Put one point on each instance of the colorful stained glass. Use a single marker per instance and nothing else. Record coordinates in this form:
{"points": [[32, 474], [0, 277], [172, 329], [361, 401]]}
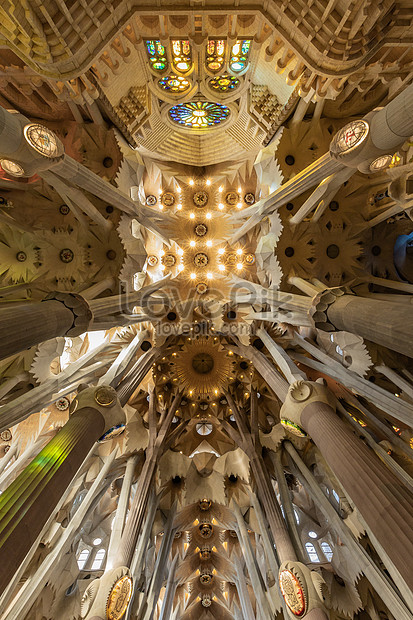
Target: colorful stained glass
{"points": [[223, 83], [239, 55], [157, 55], [215, 54], [174, 83], [182, 58], [199, 114]]}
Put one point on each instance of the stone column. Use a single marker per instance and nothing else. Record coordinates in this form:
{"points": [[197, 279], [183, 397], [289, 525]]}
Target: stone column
{"points": [[29, 501], [288, 507], [374, 574], [121, 510], [27, 324], [140, 502], [385, 504], [387, 323], [167, 603], [285, 550], [255, 576], [265, 491]]}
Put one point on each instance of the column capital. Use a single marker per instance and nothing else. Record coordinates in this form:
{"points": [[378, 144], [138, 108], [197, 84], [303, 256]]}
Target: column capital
{"points": [[300, 395], [82, 314], [320, 305], [104, 399]]}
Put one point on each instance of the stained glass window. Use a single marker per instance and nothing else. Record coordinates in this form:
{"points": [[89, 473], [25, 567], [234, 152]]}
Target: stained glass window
{"points": [[181, 54], [215, 54], [326, 549], [312, 553], [239, 55], [157, 55], [199, 114], [174, 83], [223, 83]]}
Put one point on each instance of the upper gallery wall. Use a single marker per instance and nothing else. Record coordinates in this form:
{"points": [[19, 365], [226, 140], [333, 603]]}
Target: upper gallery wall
{"points": [[132, 66]]}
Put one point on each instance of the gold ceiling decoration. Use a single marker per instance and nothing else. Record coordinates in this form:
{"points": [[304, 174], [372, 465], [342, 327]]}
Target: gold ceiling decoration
{"points": [[203, 368]]}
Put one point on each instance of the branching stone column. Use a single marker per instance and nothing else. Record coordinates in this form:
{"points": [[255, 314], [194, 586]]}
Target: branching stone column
{"points": [[98, 592], [310, 583], [387, 323], [27, 324], [29, 501], [385, 505]]}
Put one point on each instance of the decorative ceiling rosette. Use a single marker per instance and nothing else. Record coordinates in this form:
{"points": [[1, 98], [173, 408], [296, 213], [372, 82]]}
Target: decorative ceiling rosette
{"points": [[203, 367]]}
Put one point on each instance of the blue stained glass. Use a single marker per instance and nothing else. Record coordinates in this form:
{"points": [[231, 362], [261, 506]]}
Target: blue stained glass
{"points": [[157, 54], [151, 47], [199, 114], [245, 47]]}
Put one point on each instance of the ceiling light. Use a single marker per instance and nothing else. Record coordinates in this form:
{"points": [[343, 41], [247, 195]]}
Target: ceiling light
{"points": [[239, 205], [208, 181], [180, 252], [239, 251], [239, 190], [192, 216], [220, 188], [179, 189], [178, 207], [221, 267], [192, 243], [209, 275], [181, 267], [239, 265], [221, 251], [193, 276], [220, 206], [209, 243], [162, 252], [208, 216], [191, 181]]}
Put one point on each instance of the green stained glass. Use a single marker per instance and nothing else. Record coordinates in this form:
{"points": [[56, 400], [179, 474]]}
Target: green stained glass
{"points": [[157, 55], [239, 55]]}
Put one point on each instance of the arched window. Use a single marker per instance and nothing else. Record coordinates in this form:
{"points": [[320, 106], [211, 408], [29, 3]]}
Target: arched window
{"points": [[181, 55], [326, 549], [297, 516], [336, 496], [312, 553], [98, 561], [83, 558], [239, 55], [157, 55], [215, 54]]}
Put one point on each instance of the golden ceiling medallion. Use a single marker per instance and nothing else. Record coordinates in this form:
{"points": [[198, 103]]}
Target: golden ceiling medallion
{"points": [[202, 367], [168, 260], [200, 199], [201, 288], [232, 198], [119, 598], [292, 592], [201, 259], [168, 199]]}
